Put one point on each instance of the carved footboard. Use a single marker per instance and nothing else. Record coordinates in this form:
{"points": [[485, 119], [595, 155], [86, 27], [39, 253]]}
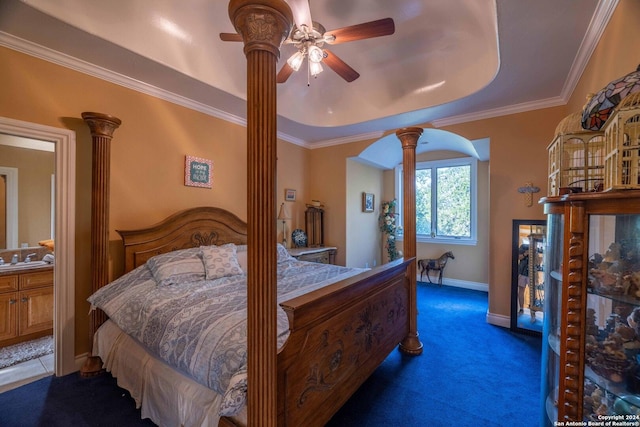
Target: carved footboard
{"points": [[339, 335]]}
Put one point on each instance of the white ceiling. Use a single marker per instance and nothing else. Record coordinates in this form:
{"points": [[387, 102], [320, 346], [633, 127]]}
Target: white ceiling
{"points": [[448, 60]]}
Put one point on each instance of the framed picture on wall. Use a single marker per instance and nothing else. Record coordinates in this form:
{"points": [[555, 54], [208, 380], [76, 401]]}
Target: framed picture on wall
{"points": [[197, 172], [367, 202], [290, 195]]}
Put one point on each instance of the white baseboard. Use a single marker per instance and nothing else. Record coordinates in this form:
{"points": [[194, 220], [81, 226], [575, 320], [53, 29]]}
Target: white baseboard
{"points": [[476, 286], [79, 361], [498, 320]]}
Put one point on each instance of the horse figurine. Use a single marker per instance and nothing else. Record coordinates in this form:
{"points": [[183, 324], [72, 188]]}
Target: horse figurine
{"points": [[437, 264]]}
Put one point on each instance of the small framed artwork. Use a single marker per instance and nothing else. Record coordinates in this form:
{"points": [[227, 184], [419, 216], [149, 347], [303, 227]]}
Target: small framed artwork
{"points": [[367, 202], [290, 195], [197, 172]]}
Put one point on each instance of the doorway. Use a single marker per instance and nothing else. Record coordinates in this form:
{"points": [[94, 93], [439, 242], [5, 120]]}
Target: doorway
{"points": [[527, 276], [64, 228]]}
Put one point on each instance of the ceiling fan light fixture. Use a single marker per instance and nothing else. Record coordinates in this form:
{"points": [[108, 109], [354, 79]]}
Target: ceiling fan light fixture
{"points": [[315, 54], [295, 61], [315, 68]]}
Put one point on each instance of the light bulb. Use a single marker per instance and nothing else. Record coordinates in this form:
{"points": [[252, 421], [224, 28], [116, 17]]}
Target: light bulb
{"points": [[295, 61]]}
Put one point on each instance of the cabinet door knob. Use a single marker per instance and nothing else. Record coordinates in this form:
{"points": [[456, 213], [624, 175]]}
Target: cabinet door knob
{"points": [[24, 299], [12, 301]]}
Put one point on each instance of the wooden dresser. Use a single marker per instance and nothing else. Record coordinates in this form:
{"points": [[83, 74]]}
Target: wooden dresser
{"points": [[26, 304], [324, 255]]}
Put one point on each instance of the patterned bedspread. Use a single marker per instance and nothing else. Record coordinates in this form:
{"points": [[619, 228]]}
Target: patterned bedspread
{"points": [[200, 327]]}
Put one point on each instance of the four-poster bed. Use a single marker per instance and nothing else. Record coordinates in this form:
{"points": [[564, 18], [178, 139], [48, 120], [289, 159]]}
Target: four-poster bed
{"points": [[338, 334]]}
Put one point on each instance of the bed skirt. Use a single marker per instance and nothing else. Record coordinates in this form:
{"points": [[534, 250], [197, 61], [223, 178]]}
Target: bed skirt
{"points": [[164, 395]]}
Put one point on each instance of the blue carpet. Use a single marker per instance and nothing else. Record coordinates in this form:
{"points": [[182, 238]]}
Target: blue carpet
{"points": [[470, 374]]}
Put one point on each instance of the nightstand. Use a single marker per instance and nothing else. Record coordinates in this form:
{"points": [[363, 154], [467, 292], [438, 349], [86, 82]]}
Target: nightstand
{"points": [[324, 255]]}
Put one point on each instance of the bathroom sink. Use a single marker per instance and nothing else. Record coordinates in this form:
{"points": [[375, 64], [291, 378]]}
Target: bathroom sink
{"points": [[22, 265]]}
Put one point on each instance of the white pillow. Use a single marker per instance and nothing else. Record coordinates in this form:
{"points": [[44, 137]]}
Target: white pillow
{"points": [[220, 261], [184, 265], [241, 254]]}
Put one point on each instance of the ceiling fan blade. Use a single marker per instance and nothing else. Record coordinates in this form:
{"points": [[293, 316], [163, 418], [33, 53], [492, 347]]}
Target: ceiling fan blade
{"points": [[367, 30], [340, 67], [301, 12], [284, 73], [230, 37]]}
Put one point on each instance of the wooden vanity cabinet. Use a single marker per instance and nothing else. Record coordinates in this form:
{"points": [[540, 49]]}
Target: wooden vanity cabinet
{"points": [[26, 305]]}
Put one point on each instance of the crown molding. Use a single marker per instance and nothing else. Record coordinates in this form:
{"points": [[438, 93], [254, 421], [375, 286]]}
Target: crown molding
{"points": [[598, 24], [498, 112], [347, 139], [67, 61], [604, 10]]}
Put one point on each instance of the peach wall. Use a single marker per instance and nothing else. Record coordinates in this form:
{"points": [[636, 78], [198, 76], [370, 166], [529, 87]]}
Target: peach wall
{"points": [[326, 180], [293, 163], [147, 155], [518, 155], [615, 55], [363, 234]]}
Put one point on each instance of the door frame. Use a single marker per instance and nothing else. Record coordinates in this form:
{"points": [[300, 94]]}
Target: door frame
{"points": [[65, 221]]}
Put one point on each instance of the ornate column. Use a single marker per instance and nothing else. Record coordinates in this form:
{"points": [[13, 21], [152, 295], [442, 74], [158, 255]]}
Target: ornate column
{"points": [[102, 127], [263, 25], [572, 321], [409, 139]]}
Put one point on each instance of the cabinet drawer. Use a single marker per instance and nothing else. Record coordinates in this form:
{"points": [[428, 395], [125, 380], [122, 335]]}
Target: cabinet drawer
{"points": [[321, 257], [36, 279], [8, 283]]}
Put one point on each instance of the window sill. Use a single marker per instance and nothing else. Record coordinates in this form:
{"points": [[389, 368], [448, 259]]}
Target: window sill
{"points": [[443, 241]]}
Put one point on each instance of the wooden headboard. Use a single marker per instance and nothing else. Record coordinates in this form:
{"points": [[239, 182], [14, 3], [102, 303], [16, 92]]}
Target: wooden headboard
{"points": [[201, 226]]}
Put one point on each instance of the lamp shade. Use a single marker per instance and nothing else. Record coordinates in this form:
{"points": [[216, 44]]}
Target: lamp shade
{"points": [[315, 68], [284, 214], [295, 61], [603, 103]]}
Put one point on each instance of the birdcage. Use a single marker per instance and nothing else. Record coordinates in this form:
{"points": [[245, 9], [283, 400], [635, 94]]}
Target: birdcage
{"points": [[576, 157], [622, 145]]}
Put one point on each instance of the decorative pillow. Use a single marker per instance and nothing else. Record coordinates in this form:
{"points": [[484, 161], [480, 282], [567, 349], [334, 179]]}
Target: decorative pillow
{"points": [[241, 254], [220, 261], [184, 265]]}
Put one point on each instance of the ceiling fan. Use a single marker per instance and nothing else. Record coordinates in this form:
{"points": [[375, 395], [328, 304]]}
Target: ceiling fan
{"points": [[309, 38]]}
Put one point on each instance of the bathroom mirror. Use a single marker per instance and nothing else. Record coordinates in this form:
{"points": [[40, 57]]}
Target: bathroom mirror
{"points": [[26, 191], [527, 275]]}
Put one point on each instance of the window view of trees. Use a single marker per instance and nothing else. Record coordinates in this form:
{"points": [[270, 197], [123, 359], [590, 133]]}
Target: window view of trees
{"points": [[423, 201], [454, 201], [444, 199]]}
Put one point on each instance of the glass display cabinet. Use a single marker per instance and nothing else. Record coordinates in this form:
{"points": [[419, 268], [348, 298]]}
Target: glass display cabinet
{"points": [[591, 331]]}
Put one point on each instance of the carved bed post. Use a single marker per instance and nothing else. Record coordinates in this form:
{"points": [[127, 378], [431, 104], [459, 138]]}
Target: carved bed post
{"points": [[102, 127], [409, 139], [263, 25]]}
